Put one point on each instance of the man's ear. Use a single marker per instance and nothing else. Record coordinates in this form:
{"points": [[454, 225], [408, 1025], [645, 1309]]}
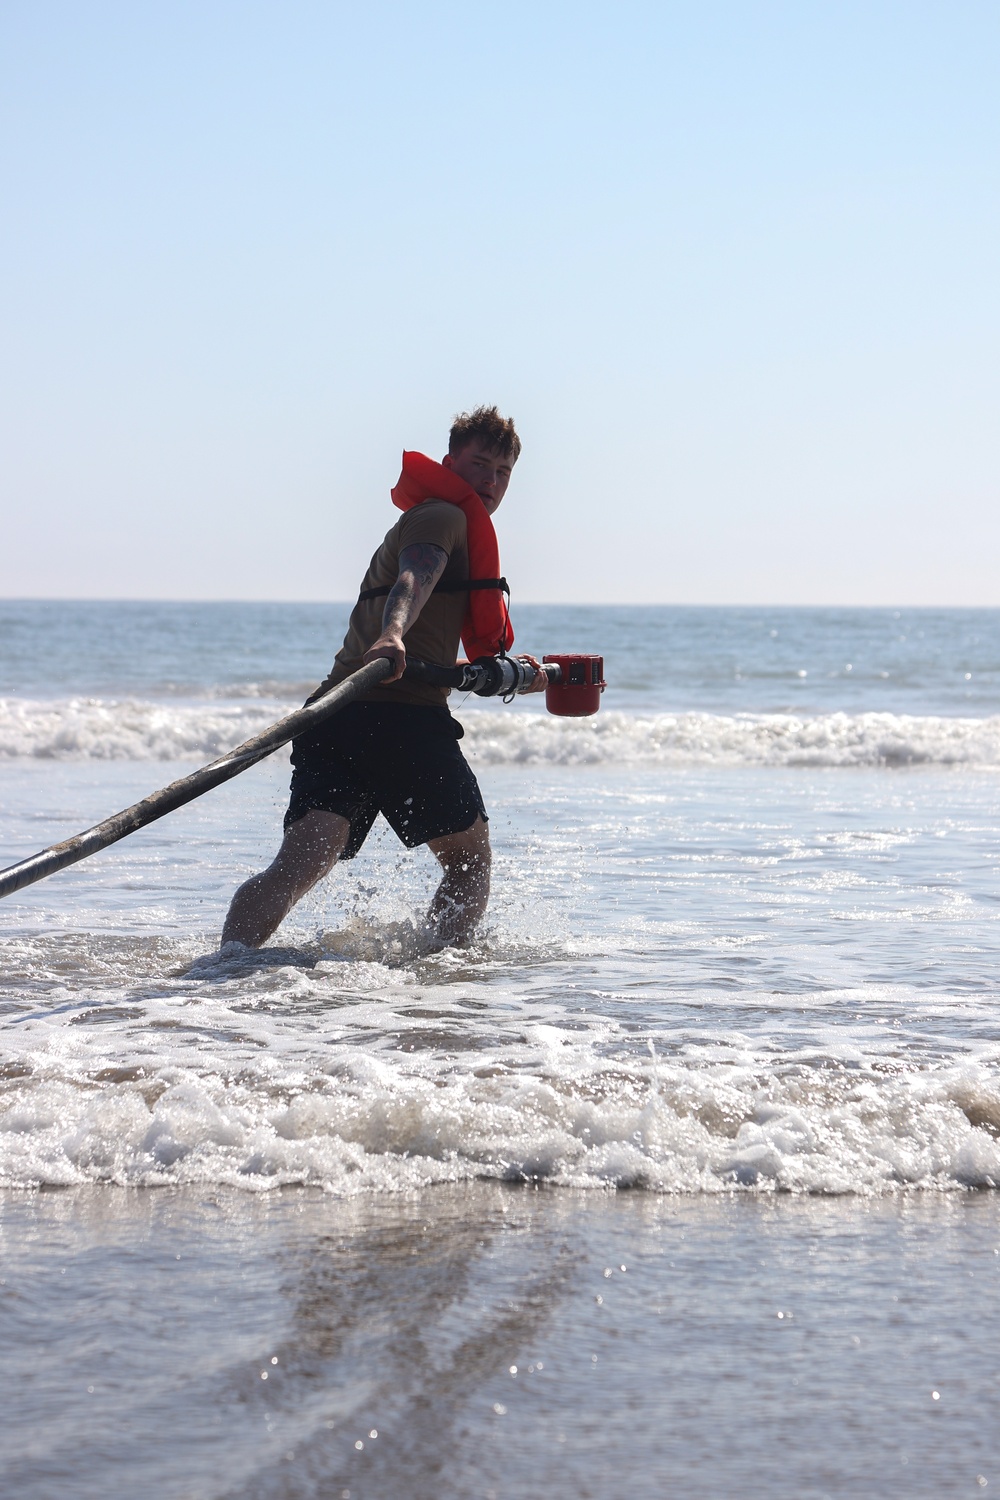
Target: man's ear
{"points": [[446, 461]]}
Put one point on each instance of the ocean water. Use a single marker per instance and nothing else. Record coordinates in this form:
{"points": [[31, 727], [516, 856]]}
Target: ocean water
{"points": [[679, 1181]]}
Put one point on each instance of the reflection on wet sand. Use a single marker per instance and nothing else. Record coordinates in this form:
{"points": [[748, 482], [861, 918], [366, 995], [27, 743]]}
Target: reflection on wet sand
{"points": [[287, 1329], [399, 1326]]}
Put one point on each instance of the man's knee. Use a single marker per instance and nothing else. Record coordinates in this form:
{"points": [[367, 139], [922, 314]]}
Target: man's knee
{"points": [[467, 850], [311, 847]]}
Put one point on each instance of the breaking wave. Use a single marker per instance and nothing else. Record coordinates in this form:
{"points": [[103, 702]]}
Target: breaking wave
{"points": [[127, 729], [702, 739], [133, 729], [377, 1124]]}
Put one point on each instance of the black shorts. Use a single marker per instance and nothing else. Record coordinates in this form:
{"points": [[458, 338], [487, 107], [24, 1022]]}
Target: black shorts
{"points": [[398, 759]]}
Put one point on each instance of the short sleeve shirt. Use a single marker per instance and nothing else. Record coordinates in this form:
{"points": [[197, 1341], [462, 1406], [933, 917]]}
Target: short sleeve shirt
{"points": [[436, 634]]}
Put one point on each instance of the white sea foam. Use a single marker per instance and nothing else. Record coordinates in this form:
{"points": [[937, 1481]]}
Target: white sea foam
{"points": [[126, 729], [359, 1073], [383, 1123], [732, 740], [104, 729]]}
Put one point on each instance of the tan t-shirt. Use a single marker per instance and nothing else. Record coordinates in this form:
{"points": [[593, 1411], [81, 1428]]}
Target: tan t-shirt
{"points": [[436, 634]]}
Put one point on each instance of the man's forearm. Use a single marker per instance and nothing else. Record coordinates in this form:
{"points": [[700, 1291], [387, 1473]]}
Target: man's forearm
{"points": [[403, 605]]}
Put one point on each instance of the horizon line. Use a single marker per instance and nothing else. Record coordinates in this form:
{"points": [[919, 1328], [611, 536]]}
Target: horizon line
{"points": [[533, 603]]}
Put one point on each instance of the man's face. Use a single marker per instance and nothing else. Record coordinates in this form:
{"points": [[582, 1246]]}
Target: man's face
{"points": [[488, 473]]}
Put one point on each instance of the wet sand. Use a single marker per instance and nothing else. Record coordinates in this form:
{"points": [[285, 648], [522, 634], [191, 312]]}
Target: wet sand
{"points": [[500, 1341]]}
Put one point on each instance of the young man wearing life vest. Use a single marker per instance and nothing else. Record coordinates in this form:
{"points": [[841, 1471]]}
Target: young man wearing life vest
{"points": [[396, 751]]}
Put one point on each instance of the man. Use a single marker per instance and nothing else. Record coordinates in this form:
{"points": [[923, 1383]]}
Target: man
{"points": [[396, 751]]}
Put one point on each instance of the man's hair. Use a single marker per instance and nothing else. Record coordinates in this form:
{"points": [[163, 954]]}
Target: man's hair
{"points": [[489, 429]]}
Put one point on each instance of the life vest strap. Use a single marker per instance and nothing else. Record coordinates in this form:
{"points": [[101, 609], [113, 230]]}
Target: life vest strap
{"points": [[461, 587]]}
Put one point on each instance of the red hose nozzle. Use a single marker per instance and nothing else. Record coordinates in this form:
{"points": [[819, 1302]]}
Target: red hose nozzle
{"points": [[576, 692]]}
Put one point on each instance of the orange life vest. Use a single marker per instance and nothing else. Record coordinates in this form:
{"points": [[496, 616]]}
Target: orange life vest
{"points": [[486, 629]]}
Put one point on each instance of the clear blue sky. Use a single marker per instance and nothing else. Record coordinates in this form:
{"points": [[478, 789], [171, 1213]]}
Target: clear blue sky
{"points": [[731, 264]]}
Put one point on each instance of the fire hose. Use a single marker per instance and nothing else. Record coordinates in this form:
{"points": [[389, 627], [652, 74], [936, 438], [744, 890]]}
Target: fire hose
{"points": [[572, 687]]}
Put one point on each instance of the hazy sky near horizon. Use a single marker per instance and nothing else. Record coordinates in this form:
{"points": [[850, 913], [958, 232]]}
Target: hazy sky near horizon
{"points": [[732, 265]]}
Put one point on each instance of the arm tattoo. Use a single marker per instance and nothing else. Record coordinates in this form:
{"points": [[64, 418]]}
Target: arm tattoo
{"points": [[420, 567]]}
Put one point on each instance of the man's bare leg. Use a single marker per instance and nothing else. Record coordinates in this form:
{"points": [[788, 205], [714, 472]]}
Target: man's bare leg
{"points": [[309, 850], [460, 900]]}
